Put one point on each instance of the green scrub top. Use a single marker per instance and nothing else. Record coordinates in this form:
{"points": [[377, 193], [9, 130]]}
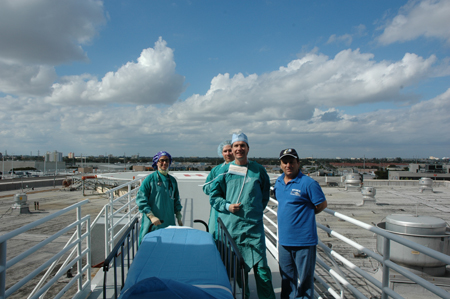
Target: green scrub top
{"points": [[162, 199], [246, 226], [213, 214]]}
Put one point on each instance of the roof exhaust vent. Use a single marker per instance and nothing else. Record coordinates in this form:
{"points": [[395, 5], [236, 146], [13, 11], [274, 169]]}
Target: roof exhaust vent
{"points": [[368, 195], [353, 182], [20, 203], [425, 184]]}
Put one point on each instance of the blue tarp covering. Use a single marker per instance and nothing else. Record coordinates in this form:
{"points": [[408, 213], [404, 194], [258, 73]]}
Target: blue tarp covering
{"points": [[177, 263]]}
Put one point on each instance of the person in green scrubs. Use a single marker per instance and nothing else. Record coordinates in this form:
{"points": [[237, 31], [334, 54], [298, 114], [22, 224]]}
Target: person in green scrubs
{"points": [[224, 150], [158, 197], [241, 195]]}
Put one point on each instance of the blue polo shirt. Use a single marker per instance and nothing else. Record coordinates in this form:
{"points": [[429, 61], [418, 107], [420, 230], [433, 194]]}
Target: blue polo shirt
{"points": [[296, 210]]}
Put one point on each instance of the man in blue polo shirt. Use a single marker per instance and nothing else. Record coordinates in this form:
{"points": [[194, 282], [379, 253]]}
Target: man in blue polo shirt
{"points": [[300, 198]]}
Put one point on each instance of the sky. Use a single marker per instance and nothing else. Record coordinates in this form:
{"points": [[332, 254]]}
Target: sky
{"points": [[328, 78]]}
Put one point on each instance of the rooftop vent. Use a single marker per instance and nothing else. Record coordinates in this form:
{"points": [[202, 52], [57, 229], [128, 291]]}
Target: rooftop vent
{"points": [[20, 203], [353, 182], [431, 232], [425, 184], [368, 195]]}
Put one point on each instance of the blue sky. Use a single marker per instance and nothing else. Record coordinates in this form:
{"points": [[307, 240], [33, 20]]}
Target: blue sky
{"points": [[330, 78]]}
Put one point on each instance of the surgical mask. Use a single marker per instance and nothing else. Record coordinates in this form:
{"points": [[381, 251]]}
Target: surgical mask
{"points": [[164, 172]]}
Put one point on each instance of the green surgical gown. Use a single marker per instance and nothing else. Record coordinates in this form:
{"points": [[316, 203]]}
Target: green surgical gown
{"points": [[246, 226], [162, 199], [213, 174]]}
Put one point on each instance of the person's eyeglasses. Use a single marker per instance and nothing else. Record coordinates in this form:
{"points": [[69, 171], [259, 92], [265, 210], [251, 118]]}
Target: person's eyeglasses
{"points": [[163, 161]]}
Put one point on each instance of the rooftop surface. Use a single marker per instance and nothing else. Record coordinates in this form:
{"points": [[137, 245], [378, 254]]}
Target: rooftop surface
{"points": [[391, 199]]}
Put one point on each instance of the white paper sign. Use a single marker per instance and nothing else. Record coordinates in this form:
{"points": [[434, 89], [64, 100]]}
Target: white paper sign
{"points": [[238, 170]]}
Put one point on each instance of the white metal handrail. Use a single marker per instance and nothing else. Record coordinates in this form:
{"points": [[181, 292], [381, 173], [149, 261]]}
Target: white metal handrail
{"points": [[125, 202], [383, 286], [83, 288], [65, 263], [273, 248], [341, 279]]}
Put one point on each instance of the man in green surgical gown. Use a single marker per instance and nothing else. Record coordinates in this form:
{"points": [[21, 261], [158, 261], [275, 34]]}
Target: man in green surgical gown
{"points": [[224, 150], [241, 196]]}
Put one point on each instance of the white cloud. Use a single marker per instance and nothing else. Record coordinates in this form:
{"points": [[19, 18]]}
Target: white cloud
{"points": [[428, 18], [150, 80], [294, 91], [47, 31], [26, 79], [346, 39], [37, 35], [292, 106], [136, 107]]}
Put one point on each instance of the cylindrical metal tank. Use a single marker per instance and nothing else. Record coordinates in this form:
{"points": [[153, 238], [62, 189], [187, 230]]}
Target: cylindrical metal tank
{"points": [[427, 231], [415, 225], [20, 199]]}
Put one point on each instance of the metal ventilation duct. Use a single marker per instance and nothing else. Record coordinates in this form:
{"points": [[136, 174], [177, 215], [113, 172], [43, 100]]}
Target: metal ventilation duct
{"points": [[425, 184], [353, 181], [368, 195]]}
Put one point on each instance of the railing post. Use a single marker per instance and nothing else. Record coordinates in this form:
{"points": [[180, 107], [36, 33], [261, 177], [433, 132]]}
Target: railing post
{"points": [[386, 257], [106, 231], [111, 222], [88, 246], [79, 250], [129, 202], [2, 269]]}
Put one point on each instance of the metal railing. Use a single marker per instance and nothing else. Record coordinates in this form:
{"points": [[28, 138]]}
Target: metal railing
{"points": [[83, 288], [231, 258], [272, 246], [121, 211], [336, 273], [126, 247]]}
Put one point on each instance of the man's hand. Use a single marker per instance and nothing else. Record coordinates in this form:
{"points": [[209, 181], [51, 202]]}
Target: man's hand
{"points": [[155, 220], [234, 208], [179, 216]]}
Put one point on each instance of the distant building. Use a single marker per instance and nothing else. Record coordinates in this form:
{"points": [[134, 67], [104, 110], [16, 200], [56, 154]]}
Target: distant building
{"points": [[368, 164], [429, 168], [53, 156], [70, 155], [417, 171]]}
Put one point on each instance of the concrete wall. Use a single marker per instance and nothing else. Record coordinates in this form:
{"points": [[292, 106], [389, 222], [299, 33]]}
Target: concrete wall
{"points": [[375, 183], [98, 238], [47, 166], [16, 184], [398, 175], [8, 165]]}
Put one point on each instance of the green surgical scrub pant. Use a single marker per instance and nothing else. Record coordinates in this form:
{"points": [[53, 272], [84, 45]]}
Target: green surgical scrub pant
{"points": [[263, 278]]}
